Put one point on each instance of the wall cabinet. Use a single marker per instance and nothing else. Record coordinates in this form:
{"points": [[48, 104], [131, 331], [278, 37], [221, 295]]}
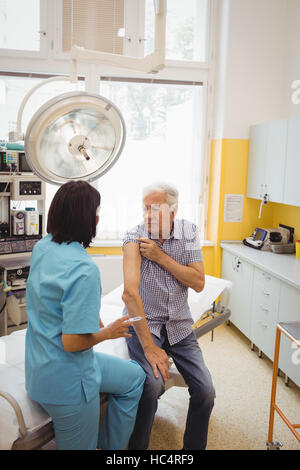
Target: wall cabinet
{"points": [[274, 163], [258, 302], [292, 171], [276, 159], [256, 161]]}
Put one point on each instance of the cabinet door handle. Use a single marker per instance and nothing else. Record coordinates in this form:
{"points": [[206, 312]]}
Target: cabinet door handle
{"points": [[266, 276], [236, 262], [265, 325], [266, 293], [264, 308]]}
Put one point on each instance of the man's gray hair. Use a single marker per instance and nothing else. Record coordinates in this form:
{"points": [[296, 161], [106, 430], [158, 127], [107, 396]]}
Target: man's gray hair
{"points": [[170, 191]]}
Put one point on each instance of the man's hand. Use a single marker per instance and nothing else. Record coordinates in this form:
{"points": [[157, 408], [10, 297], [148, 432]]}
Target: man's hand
{"points": [[149, 249], [158, 358]]}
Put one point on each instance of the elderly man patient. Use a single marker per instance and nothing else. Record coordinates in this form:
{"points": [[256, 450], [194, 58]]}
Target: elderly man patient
{"points": [[162, 259]]}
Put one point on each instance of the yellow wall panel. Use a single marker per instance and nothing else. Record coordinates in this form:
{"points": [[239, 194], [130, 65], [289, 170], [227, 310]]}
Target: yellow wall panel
{"points": [[287, 215], [228, 175], [208, 253], [214, 190], [105, 250], [235, 156]]}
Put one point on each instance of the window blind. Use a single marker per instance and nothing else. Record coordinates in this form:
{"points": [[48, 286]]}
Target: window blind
{"points": [[93, 24]]}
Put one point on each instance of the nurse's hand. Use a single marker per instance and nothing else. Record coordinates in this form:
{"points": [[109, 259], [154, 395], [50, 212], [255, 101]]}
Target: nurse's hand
{"points": [[119, 328], [79, 342]]}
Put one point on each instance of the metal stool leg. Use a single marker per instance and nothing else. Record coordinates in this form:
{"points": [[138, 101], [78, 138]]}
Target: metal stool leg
{"points": [[270, 444]]}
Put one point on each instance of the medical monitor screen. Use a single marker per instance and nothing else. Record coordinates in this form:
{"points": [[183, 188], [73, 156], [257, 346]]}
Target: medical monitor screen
{"points": [[259, 234]]}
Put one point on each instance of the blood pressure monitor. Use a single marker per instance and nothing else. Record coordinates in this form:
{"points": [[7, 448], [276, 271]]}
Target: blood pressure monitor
{"points": [[257, 238]]}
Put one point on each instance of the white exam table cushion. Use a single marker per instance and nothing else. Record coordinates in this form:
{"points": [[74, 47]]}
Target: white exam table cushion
{"points": [[12, 378], [12, 381]]}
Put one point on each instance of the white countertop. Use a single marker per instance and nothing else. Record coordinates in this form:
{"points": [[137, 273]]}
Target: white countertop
{"points": [[285, 267]]}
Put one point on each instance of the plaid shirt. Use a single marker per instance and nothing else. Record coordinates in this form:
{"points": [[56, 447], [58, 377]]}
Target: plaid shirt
{"points": [[164, 297]]}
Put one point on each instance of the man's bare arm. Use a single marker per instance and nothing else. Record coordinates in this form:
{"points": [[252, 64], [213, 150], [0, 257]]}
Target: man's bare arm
{"points": [[156, 356]]}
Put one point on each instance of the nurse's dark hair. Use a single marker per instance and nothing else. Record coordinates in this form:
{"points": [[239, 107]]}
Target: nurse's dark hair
{"points": [[72, 213]]}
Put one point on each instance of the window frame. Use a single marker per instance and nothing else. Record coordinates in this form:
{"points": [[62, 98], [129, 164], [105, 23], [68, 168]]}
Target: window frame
{"points": [[190, 64], [42, 53], [134, 24]]}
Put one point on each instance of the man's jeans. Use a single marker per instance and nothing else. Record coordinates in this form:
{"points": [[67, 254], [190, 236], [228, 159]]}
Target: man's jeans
{"points": [[188, 359]]}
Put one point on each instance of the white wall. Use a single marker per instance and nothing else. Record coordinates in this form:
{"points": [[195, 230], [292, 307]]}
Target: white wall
{"points": [[111, 271], [261, 59], [291, 66]]}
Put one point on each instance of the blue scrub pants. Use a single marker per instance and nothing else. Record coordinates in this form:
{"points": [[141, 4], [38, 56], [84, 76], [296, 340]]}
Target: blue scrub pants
{"points": [[76, 427]]}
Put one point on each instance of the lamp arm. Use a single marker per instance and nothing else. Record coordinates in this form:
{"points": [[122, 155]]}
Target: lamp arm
{"points": [[18, 135]]}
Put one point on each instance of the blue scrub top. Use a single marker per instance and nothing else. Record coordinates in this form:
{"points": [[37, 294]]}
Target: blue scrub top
{"points": [[62, 296]]}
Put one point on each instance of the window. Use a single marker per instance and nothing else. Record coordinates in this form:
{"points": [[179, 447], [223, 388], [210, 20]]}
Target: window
{"points": [[92, 24], [22, 26], [127, 27], [186, 29], [164, 122]]}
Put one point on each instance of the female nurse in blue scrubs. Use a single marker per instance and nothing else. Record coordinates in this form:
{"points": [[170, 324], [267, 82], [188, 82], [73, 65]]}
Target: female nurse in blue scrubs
{"points": [[63, 373]]}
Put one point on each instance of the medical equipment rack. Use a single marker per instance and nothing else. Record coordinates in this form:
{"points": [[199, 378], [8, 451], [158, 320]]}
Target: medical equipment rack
{"points": [[14, 271]]}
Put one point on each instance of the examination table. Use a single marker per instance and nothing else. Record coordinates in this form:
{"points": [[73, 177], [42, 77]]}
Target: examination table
{"points": [[24, 425]]}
